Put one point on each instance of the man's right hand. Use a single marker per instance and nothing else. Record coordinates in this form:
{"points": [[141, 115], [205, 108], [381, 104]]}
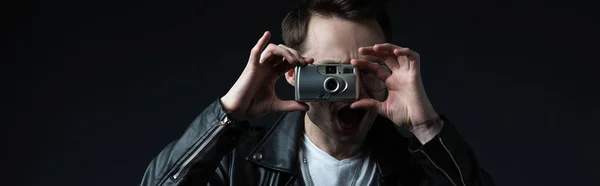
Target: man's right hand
{"points": [[253, 94]]}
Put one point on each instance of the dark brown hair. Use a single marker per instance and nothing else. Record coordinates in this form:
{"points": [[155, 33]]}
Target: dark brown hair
{"points": [[295, 24]]}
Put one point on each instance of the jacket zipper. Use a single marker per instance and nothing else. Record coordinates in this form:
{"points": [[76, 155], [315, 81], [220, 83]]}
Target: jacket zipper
{"points": [[455, 164], [436, 166], [203, 145]]}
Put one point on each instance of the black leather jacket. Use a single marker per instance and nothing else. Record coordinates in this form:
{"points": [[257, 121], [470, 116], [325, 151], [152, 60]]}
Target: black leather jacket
{"points": [[214, 151]]}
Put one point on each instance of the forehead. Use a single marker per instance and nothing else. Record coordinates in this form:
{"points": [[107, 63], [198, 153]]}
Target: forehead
{"points": [[335, 39]]}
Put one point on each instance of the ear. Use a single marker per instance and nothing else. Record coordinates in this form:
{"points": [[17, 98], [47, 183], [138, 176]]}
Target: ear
{"points": [[289, 76]]}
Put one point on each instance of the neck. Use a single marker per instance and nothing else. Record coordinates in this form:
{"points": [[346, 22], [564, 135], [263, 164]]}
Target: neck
{"points": [[328, 143]]}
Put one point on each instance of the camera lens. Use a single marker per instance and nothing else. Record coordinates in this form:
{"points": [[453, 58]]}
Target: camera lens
{"points": [[331, 85], [330, 70]]}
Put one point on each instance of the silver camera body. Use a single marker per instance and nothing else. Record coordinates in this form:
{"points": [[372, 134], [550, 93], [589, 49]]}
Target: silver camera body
{"points": [[326, 83]]}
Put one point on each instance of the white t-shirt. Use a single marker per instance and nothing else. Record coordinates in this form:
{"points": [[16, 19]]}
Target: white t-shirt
{"points": [[325, 170]]}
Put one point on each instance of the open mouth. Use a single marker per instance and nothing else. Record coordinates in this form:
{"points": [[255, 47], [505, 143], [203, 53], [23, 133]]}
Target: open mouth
{"points": [[350, 118]]}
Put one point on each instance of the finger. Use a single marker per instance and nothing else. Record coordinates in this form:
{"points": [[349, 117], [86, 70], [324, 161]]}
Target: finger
{"points": [[385, 47], [407, 57], [309, 60], [288, 106], [273, 50], [257, 49], [382, 54], [282, 68], [372, 67], [389, 48], [295, 53], [411, 54], [367, 103], [369, 51]]}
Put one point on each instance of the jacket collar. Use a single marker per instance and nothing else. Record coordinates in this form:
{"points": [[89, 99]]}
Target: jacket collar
{"points": [[278, 149]]}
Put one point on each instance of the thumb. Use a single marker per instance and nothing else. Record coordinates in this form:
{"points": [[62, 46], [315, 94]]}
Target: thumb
{"points": [[366, 103], [289, 106]]}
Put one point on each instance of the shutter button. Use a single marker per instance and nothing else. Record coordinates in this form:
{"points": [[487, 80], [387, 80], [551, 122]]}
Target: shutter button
{"points": [[257, 156]]}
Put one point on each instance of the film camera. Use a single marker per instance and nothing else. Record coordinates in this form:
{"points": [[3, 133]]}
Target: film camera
{"points": [[326, 82]]}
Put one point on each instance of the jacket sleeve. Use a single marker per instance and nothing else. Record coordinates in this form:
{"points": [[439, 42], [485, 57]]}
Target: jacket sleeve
{"points": [[197, 152], [448, 160]]}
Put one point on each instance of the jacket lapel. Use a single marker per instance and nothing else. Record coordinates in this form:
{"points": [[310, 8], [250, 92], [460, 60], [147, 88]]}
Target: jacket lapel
{"points": [[278, 150]]}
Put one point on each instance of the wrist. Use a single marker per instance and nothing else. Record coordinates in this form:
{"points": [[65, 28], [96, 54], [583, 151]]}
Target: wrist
{"points": [[229, 111], [426, 131]]}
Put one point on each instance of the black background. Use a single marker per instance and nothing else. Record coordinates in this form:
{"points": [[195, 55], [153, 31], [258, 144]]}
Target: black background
{"points": [[103, 86]]}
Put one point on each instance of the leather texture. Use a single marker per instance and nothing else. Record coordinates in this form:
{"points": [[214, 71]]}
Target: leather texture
{"points": [[213, 153]]}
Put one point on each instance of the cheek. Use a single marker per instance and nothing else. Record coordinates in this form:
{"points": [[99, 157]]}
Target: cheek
{"points": [[318, 110], [320, 114]]}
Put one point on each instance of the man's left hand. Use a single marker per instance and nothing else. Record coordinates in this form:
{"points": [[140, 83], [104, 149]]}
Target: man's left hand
{"points": [[407, 104]]}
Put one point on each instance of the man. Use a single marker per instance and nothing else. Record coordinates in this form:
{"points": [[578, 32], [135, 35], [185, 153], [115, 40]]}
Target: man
{"points": [[323, 143]]}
